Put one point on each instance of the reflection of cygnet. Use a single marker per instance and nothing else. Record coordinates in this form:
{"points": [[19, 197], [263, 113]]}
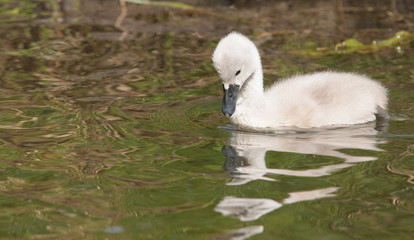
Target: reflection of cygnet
{"points": [[245, 154], [246, 232], [249, 209], [305, 101]]}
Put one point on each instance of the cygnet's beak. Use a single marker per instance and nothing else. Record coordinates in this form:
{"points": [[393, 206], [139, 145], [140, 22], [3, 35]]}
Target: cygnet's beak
{"points": [[230, 99]]}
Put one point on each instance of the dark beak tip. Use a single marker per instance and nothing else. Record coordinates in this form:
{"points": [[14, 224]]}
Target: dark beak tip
{"points": [[230, 100]]}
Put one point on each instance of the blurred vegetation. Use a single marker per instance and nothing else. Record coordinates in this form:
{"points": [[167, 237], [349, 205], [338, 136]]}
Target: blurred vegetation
{"points": [[162, 3], [400, 41]]}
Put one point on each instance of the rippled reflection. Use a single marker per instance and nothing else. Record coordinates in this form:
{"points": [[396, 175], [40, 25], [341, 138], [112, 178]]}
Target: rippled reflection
{"points": [[246, 161], [246, 232], [250, 209], [245, 153]]}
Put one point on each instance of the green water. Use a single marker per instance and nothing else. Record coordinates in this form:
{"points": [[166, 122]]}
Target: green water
{"points": [[112, 136]]}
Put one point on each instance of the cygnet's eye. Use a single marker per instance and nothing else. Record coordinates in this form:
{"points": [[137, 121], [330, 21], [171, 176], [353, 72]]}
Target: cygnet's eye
{"points": [[238, 72]]}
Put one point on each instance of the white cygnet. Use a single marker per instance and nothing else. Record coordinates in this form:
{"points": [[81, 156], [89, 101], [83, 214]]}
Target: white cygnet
{"points": [[304, 101]]}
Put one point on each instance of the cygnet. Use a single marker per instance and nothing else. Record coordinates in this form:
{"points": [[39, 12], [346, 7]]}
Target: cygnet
{"points": [[303, 101]]}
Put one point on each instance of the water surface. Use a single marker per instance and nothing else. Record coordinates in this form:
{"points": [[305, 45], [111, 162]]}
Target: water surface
{"points": [[110, 126]]}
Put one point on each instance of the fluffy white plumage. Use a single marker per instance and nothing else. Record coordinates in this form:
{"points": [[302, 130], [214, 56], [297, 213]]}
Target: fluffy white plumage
{"points": [[305, 101]]}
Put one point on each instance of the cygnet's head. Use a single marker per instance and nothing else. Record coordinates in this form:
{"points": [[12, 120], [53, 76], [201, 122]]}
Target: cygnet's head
{"points": [[236, 59]]}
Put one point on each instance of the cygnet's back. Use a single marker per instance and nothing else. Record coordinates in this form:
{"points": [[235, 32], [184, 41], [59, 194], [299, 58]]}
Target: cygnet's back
{"points": [[326, 98]]}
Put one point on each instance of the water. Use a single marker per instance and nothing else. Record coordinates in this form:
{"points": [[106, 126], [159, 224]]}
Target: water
{"points": [[114, 131]]}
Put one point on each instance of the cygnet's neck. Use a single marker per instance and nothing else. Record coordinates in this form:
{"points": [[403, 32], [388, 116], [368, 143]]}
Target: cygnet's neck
{"points": [[252, 88], [251, 103]]}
